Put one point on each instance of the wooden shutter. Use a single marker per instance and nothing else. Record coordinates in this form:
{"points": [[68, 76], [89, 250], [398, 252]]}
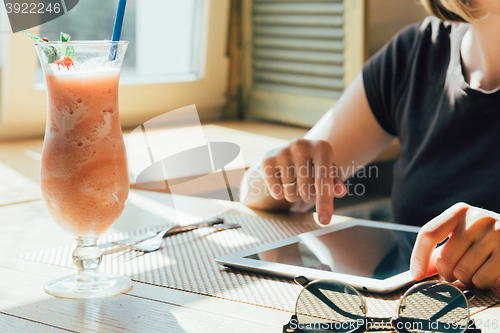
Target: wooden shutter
{"points": [[299, 55]]}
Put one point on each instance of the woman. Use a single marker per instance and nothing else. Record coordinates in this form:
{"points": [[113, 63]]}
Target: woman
{"points": [[435, 87]]}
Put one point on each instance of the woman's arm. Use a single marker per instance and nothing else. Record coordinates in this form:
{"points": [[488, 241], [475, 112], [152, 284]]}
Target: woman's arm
{"points": [[345, 139]]}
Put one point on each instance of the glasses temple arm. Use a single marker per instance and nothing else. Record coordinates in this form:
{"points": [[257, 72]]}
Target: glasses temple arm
{"points": [[316, 292], [452, 305], [322, 297]]}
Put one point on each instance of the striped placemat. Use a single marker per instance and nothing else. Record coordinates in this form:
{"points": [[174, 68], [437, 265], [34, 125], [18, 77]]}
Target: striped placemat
{"points": [[186, 262]]}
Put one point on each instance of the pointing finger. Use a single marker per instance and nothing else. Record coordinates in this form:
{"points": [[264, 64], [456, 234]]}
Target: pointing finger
{"points": [[431, 234]]}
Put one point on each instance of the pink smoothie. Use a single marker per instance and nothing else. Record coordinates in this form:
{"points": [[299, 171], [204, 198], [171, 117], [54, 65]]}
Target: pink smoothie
{"points": [[84, 165]]}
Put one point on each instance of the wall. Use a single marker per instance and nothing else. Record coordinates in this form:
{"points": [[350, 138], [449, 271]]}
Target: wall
{"points": [[386, 17]]}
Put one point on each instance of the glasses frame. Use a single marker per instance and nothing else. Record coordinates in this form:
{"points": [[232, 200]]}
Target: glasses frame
{"points": [[372, 324]]}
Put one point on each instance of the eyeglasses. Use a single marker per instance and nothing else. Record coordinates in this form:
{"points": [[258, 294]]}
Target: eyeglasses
{"points": [[330, 306]]}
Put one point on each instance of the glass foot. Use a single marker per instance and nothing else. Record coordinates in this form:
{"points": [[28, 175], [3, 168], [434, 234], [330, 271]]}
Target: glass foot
{"points": [[88, 286]]}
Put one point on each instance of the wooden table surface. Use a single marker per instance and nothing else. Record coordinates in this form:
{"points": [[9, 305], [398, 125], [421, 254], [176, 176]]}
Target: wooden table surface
{"points": [[24, 306], [25, 225]]}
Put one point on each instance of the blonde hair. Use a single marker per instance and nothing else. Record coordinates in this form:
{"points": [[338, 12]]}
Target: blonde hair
{"points": [[451, 10]]}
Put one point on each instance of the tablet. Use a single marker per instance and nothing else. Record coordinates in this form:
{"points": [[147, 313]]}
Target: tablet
{"points": [[370, 256]]}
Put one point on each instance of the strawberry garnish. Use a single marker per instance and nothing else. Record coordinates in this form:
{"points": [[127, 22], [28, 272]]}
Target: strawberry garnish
{"points": [[45, 39], [66, 62]]}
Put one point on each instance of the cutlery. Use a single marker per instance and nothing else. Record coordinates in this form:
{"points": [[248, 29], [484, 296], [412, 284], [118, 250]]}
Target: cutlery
{"points": [[154, 243], [168, 231]]}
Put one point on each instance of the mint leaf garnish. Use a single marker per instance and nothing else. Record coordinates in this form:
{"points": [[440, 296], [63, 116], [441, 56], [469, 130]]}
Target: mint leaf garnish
{"points": [[65, 37], [35, 38], [49, 51], [66, 50]]}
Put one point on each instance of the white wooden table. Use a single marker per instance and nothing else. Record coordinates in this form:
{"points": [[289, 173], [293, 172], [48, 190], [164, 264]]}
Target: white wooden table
{"points": [[24, 306], [25, 225]]}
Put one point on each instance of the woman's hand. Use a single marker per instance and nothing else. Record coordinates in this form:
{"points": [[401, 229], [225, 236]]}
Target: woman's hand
{"points": [[304, 170], [349, 129], [472, 252]]}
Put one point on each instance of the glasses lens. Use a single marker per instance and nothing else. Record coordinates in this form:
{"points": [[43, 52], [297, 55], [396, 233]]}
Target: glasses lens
{"points": [[327, 306], [434, 307]]}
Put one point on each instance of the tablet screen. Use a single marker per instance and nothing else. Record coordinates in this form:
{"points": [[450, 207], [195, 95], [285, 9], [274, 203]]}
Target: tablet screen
{"points": [[359, 250]]}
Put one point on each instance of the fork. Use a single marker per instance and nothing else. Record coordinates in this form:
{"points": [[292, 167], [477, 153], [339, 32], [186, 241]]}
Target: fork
{"points": [[154, 244], [155, 241], [166, 232]]}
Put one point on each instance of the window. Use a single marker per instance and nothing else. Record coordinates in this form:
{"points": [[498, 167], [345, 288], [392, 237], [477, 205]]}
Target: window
{"points": [[164, 35], [176, 58]]}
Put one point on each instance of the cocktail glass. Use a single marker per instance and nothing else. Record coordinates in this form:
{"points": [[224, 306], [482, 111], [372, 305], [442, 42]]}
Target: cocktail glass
{"points": [[84, 174]]}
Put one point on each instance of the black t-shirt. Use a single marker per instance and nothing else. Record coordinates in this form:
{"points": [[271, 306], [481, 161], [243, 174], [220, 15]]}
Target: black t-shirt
{"points": [[449, 132]]}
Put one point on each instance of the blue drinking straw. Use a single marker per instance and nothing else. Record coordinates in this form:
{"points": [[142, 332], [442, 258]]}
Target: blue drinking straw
{"points": [[117, 29]]}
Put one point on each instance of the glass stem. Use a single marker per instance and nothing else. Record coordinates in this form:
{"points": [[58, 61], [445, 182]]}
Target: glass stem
{"points": [[87, 255]]}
